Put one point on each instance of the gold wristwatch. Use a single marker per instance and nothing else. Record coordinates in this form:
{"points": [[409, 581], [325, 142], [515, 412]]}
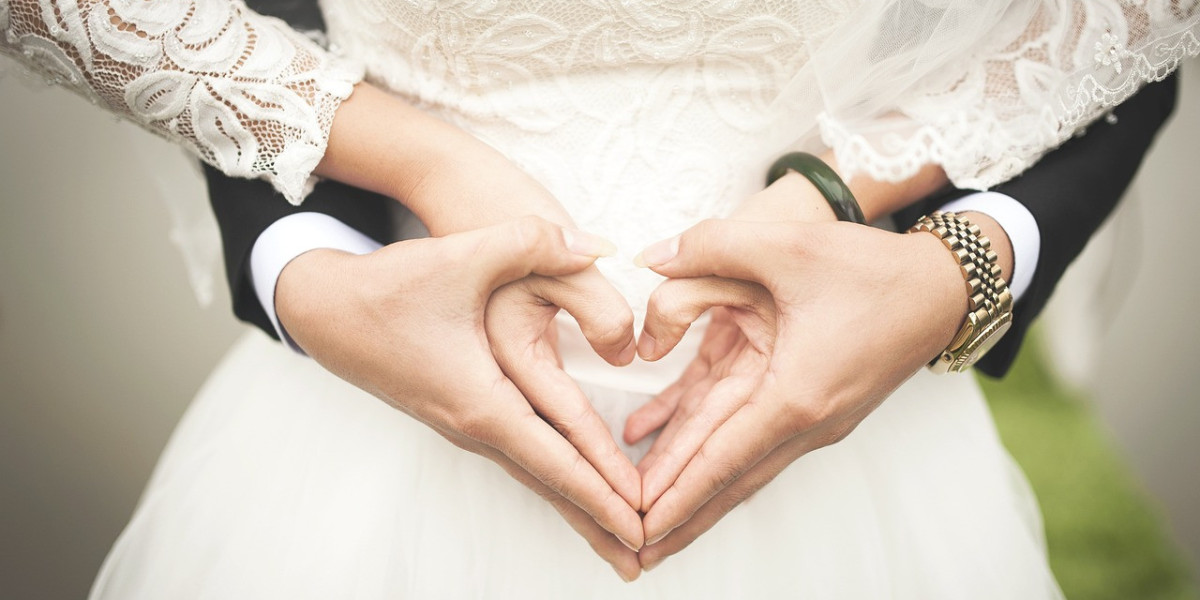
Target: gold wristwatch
{"points": [[989, 304]]}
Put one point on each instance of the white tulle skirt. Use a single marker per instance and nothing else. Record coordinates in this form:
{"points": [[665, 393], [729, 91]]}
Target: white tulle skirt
{"points": [[283, 481]]}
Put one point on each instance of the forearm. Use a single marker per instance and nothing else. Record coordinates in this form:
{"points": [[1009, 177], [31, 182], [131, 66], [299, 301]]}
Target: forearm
{"points": [[881, 198], [449, 179], [946, 286]]}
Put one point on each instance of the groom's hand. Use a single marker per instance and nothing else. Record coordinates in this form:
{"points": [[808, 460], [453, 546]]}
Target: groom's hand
{"points": [[406, 323], [734, 353], [855, 312]]}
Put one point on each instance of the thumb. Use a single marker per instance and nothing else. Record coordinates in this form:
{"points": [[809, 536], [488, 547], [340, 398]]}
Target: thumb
{"points": [[508, 251], [604, 316], [676, 303], [734, 249]]}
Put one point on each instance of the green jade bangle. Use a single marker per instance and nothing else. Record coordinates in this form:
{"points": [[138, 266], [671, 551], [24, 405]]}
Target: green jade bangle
{"points": [[836, 193]]}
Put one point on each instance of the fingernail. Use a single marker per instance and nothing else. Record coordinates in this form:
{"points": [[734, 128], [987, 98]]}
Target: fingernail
{"points": [[658, 253], [656, 539], [624, 577], [587, 244], [627, 543], [646, 345]]}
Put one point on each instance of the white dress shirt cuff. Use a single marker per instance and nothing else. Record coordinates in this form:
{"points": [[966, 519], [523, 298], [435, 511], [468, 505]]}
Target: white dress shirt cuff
{"points": [[1018, 223], [290, 237]]}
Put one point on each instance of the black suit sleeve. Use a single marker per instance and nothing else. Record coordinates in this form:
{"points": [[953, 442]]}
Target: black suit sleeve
{"points": [[1070, 193], [245, 208]]}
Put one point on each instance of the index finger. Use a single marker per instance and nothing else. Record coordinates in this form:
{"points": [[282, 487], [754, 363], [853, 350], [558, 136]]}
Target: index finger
{"points": [[558, 399], [537, 448], [670, 455], [623, 560], [724, 248], [603, 314], [723, 502], [734, 448]]}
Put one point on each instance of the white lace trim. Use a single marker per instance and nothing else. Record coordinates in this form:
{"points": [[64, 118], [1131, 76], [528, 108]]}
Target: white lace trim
{"points": [[1004, 111], [243, 92]]}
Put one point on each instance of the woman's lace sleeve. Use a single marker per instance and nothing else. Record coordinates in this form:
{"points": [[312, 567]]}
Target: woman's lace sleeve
{"points": [[244, 92], [986, 87]]}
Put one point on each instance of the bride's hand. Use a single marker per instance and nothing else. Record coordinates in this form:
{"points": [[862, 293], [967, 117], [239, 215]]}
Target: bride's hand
{"points": [[406, 323]]}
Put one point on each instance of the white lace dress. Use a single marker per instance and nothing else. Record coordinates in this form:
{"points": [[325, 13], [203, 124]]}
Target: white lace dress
{"points": [[642, 117]]}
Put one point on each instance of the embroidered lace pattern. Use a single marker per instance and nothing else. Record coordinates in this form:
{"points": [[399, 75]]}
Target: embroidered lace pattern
{"points": [[645, 117], [244, 92], [641, 117], [981, 87], [1034, 74]]}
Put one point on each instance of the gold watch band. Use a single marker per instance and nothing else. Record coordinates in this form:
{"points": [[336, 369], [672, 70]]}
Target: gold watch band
{"points": [[989, 302]]}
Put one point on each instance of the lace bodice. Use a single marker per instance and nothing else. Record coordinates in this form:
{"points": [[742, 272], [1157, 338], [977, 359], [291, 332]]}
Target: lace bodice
{"points": [[642, 117]]}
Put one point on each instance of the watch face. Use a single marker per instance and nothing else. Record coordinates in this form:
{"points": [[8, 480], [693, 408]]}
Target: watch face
{"points": [[988, 339]]}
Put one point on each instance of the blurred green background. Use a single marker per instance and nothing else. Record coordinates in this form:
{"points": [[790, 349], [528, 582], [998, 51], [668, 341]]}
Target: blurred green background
{"points": [[1105, 534]]}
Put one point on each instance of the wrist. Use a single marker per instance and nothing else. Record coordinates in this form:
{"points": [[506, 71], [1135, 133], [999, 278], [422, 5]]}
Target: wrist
{"points": [[881, 198], [449, 179], [1017, 237], [373, 143], [303, 289], [288, 238], [792, 197], [808, 204], [989, 302], [475, 187], [943, 288]]}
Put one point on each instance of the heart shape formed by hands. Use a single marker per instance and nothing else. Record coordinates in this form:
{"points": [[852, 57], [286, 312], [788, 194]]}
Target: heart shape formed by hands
{"points": [[734, 355], [520, 329]]}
